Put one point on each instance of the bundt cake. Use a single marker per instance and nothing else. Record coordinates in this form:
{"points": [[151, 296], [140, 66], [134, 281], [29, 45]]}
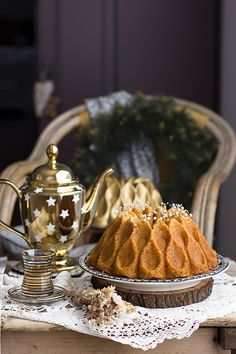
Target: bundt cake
{"points": [[153, 244]]}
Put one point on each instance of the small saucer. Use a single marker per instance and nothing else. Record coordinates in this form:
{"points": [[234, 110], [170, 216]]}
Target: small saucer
{"points": [[15, 294]]}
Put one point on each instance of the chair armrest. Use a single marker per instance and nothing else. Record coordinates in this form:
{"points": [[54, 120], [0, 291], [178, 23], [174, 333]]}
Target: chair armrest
{"points": [[207, 190]]}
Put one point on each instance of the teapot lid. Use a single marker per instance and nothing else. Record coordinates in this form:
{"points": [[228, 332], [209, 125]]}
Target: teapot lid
{"points": [[52, 173]]}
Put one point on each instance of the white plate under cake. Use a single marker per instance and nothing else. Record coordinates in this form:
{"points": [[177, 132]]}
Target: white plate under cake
{"points": [[154, 285], [155, 250]]}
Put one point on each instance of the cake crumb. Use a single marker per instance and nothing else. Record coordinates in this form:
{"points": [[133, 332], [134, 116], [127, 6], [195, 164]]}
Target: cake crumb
{"points": [[103, 306]]}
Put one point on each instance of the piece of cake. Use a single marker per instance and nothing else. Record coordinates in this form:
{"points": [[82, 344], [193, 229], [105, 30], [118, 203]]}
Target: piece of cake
{"points": [[153, 244], [103, 307]]}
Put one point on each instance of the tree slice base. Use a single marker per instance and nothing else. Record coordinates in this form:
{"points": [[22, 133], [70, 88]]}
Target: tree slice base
{"points": [[162, 299]]}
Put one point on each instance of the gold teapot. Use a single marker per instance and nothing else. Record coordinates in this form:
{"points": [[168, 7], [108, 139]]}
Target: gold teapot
{"points": [[54, 207]]}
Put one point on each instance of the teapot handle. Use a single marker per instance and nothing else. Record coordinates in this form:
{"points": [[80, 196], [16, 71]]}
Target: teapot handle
{"points": [[19, 195]]}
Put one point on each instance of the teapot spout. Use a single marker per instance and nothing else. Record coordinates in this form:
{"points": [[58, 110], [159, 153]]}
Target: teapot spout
{"points": [[92, 199]]}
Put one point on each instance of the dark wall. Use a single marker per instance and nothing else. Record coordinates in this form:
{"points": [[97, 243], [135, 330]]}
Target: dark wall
{"points": [[168, 47], [18, 125], [158, 46], [94, 47]]}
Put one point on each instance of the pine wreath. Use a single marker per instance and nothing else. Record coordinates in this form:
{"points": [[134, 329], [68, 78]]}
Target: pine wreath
{"points": [[184, 150]]}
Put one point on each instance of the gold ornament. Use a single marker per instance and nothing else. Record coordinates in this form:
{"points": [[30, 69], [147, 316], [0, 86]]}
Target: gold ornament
{"points": [[117, 192]]}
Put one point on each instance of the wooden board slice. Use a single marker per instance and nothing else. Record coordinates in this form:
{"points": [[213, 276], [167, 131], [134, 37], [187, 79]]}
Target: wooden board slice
{"points": [[162, 299]]}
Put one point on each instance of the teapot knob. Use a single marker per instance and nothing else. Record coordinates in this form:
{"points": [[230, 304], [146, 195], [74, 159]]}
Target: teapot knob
{"points": [[52, 152]]}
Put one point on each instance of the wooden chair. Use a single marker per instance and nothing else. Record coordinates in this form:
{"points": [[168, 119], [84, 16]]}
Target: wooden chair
{"points": [[40, 336], [207, 190]]}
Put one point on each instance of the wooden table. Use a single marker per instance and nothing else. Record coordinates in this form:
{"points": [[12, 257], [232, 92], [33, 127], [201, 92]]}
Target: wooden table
{"points": [[27, 337]]}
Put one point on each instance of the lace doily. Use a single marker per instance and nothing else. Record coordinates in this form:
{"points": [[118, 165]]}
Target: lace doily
{"points": [[143, 329]]}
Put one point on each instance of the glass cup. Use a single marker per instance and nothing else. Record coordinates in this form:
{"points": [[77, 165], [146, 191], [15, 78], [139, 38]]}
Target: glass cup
{"points": [[37, 280]]}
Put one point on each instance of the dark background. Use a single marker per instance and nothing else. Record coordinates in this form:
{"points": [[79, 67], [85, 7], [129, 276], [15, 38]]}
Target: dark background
{"points": [[94, 47]]}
